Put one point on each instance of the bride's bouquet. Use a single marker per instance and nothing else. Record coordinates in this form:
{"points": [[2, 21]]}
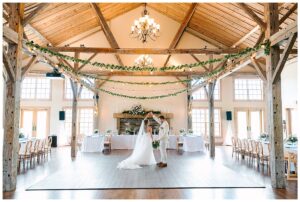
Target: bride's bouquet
{"points": [[155, 144]]}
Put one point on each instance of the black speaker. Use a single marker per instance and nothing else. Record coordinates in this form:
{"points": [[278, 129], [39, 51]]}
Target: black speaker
{"points": [[228, 115], [54, 141], [61, 115]]}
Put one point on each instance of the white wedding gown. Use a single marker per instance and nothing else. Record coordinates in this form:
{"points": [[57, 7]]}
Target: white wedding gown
{"points": [[142, 153]]}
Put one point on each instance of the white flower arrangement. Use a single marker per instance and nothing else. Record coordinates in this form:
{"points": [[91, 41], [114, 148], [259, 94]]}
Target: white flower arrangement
{"points": [[190, 131], [96, 131]]}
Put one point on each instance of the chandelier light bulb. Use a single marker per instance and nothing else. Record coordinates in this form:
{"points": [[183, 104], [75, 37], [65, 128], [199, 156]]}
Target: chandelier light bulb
{"points": [[144, 61]]}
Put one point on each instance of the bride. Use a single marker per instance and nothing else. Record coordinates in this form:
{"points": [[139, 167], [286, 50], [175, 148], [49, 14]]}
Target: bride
{"points": [[142, 153]]}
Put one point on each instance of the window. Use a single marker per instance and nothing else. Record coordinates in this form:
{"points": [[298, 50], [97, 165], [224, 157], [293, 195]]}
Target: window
{"points": [[85, 121], [200, 122], [85, 93], [36, 88], [248, 89], [201, 95]]}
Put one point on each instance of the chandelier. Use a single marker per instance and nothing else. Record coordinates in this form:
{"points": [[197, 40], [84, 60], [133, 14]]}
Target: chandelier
{"points": [[144, 61], [145, 27]]}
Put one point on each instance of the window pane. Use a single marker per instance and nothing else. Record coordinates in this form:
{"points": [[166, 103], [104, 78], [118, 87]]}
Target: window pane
{"points": [[68, 90], [201, 94], [248, 89], [43, 88], [200, 122], [28, 88], [86, 121]]}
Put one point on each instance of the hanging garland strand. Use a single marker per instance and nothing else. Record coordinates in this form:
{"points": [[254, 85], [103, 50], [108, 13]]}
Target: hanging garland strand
{"points": [[265, 46], [136, 83], [206, 75], [131, 96]]}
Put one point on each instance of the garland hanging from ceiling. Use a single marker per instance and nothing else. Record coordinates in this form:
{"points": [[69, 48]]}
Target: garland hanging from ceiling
{"points": [[228, 57]]}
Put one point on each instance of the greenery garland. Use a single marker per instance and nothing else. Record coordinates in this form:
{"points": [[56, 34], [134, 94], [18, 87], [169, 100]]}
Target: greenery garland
{"points": [[265, 45], [136, 83], [205, 75]]}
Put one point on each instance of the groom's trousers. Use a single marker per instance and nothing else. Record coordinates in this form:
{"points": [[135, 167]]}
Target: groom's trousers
{"points": [[163, 151]]}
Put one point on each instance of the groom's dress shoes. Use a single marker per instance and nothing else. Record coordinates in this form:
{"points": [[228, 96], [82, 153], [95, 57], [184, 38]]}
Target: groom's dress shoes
{"points": [[158, 164], [163, 165]]}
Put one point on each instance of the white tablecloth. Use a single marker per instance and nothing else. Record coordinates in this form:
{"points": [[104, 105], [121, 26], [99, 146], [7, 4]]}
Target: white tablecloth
{"points": [[190, 143], [92, 144], [123, 141]]}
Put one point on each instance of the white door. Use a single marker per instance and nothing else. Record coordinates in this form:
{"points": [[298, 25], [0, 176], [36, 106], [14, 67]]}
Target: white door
{"points": [[242, 125]]}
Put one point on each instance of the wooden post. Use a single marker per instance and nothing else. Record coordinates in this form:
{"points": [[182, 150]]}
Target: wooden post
{"points": [[96, 105], [274, 106], [189, 105], [211, 87], [12, 104], [76, 94]]}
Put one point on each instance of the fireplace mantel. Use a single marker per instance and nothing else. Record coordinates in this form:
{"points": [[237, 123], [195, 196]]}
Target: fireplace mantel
{"points": [[130, 116], [133, 121]]}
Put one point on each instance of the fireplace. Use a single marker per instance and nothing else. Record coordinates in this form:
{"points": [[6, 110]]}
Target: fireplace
{"points": [[130, 124]]}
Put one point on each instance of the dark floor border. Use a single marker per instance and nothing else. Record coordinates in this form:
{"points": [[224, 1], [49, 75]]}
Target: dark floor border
{"points": [[259, 187]]}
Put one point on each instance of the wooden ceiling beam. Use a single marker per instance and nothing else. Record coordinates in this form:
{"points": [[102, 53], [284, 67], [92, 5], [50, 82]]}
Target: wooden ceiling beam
{"points": [[287, 15], [181, 29], [251, 14], [283, 34], [284, 57], [10, 35], [90, 58], [8, 66], [106, 30], [258, 68], [197, 60], [26, 68], [34, 13], [76, 64], [158, 51]]}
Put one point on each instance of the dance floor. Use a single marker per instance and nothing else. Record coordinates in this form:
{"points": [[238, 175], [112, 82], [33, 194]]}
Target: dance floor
{"points": [[93, 171]]}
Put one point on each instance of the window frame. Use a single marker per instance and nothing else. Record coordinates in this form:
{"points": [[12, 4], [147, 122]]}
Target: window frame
{"points": [[78, 116], [220, 120], [246, 78], [35, 94]]}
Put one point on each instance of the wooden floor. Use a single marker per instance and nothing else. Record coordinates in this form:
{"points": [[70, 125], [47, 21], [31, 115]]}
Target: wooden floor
{"points": [[61, 161]]}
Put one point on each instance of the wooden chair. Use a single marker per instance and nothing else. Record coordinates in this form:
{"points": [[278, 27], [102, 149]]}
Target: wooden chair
{"points": [[234, 146], [247, 150], [41, 151], [34, 152], [263, 157], [254, 152], [292, 159], [241, 149], [25, 156], [107, 144]]}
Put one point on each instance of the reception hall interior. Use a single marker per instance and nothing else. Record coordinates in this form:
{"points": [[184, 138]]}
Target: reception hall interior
{"points": [[217, 83]]}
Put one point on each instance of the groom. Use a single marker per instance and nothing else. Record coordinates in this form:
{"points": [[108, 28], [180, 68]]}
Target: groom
{"points": [[163, 138]]}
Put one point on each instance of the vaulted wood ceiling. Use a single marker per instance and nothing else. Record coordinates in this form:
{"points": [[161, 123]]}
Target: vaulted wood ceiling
{"points": [[225, 23]]}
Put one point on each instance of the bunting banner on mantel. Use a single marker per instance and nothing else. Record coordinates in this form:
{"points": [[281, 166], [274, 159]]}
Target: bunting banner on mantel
{"points": [[265, 45]]}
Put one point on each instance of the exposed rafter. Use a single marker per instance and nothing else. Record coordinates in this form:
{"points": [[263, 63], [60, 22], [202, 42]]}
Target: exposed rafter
{"points": [[26, 68], [38, 34], [245, 37], [8, 67], [251, 14], [157, 51], [39, 8], [107, 32], [287, 15], [258, 68], [284, 57], [90, 58]]}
